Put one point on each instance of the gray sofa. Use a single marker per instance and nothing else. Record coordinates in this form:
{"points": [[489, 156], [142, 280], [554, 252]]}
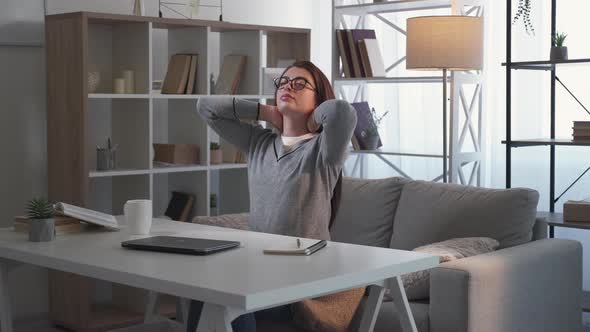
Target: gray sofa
{"points": [[530, 283]]}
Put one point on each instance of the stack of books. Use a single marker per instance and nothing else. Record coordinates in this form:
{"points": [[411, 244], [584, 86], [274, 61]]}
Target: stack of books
{"points": [[181, 76], [360, 53], [581, 131]]}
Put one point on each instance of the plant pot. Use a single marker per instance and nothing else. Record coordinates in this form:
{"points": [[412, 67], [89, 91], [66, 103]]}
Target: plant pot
{"points": [[558, 53], [371, 142], [42, 230], [216, 157]]}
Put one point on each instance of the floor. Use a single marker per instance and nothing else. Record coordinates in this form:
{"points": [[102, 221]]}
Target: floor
{"points": [[46, 327]]}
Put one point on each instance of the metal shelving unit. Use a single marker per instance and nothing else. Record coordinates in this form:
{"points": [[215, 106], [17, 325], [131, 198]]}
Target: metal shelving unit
{"points": [[551, 141], [553, 219]]}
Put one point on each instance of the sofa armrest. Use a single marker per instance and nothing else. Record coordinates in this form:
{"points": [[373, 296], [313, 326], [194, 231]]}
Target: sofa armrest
{"points": [[536, 286], [540, 229], [237, 221]]}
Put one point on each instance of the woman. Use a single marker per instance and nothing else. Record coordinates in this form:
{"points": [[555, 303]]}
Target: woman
{"points": [[294, 172]]}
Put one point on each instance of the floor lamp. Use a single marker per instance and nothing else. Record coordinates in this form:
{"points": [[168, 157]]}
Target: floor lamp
{"points": [[444, 43]]}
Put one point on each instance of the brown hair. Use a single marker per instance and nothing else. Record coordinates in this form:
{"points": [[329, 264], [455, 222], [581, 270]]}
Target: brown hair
{"points": [[324, 91]]}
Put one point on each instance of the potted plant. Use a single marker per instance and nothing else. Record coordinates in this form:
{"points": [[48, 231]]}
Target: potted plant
{"points": [[523, 12], [216, 153], [41, 223], [558, 51], [370, 135]]}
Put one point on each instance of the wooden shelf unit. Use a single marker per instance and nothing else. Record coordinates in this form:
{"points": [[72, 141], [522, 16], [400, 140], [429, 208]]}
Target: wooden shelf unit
{"points": [[79, 121]]}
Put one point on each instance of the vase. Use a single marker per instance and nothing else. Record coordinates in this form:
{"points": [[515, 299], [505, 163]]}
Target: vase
{"points": [[41, 230], [93, 79], [558, 54], [216, 157]]}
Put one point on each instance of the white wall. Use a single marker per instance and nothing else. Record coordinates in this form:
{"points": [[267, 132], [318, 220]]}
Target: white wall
{"points": [[22, 101]]}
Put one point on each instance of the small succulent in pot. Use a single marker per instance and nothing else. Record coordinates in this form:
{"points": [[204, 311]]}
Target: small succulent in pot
{"points": [[42, 225], [558, 50]]}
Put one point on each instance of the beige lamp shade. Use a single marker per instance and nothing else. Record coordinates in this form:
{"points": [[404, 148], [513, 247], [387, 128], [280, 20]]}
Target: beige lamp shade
{"points": [[444, 42]]}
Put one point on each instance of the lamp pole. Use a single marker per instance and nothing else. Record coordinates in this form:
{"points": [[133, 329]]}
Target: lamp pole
{"points": [[444, 80]]}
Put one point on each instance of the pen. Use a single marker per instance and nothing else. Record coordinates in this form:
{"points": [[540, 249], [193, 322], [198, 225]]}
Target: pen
{"points": [[298, 243]]}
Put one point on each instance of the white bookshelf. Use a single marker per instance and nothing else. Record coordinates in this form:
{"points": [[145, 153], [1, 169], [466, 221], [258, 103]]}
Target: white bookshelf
{"points": [[361, 9], [136, 121], [354, 14], [79, 121]]}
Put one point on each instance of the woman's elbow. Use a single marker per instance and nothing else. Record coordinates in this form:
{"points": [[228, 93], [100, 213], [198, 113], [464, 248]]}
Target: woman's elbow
{"points": [[205, 107], [341, 111]]}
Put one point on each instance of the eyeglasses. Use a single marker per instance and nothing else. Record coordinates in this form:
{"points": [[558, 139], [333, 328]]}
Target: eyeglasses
{"points": [[297, 83]]}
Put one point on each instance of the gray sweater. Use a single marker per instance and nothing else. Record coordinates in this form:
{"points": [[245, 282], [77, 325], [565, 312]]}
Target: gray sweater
{"points": [[290, 192]]}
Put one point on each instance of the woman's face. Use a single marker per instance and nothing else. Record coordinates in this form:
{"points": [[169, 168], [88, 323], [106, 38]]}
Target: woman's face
{"points": [[290, 100]]}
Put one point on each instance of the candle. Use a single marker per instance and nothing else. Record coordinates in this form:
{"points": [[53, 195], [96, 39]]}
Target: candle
{"points": [[129, 78], [119, 85]]}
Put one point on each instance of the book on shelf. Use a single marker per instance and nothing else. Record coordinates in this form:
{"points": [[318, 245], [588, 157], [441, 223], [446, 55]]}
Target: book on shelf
{"points": [[360, 53], [354, 55], [181, 74], [581, 132], [344, 52], [230, 74], [358, 35], [177, 74], [372, 58], [180, 206], [363, 123], [365, 61], [192, 76], [581, 124], [88, 215]]}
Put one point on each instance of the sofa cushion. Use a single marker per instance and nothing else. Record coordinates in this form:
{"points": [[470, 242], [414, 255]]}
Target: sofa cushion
{"points": [[236, 220], [432, 212], [417, 284], [366, 211]]}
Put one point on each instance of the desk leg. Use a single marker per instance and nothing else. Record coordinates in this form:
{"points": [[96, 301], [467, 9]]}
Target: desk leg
{"points": [[214, 318], [403, 306], [372, 306], [5, 312], [151, 306]]}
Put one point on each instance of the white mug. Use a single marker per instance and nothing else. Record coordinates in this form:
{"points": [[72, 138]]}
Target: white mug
{"points": [[138, 213]]}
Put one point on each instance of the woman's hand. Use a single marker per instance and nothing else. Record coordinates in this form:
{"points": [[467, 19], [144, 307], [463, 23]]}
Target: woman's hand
{"points": [[312, 126], [272, 115]]}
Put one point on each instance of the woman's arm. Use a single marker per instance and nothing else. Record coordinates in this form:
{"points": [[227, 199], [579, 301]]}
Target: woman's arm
{"points": [[338, 119], [224, 115]]}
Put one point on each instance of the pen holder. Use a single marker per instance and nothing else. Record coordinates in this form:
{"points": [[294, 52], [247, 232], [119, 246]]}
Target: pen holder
{"points": [[105, 159]]}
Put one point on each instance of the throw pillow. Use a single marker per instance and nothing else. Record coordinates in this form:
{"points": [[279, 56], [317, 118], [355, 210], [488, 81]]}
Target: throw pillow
{"points": [[236, 220], [417, 284]]}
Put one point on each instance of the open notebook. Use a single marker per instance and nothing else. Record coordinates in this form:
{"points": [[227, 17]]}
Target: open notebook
{"points": [[304, 247], [87, 215]]}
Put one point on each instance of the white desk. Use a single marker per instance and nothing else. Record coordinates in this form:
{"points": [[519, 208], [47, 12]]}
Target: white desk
{"points": [[230, 283]]}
